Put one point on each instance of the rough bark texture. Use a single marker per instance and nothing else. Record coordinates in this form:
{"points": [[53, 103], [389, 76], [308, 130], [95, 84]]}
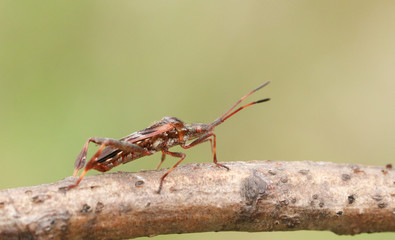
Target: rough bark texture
{"points": [[252, 196]]}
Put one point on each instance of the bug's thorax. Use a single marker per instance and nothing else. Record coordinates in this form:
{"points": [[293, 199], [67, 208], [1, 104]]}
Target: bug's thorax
{"points": [[179, 135], [181, 132]]}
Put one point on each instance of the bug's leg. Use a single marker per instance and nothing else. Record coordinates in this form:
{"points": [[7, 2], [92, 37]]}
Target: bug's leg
{"points": [[210, 136], [122, 145], [81, 158], [89, 165], [161, 160], [174, 154], [118, 144]]}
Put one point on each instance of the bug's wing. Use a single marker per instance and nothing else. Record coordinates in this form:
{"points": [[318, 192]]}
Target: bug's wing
{"points": [[148, 132], [135, 137]]}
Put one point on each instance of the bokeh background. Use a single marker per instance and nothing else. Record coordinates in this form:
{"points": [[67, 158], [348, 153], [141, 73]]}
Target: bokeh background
{"points": [[70, 70]]}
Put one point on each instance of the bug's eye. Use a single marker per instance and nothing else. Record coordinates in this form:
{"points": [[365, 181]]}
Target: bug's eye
{"points": [[198, 129]]}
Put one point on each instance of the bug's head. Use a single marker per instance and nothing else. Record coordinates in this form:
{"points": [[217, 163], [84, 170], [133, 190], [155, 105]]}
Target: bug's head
{"points": [[198, 129]]}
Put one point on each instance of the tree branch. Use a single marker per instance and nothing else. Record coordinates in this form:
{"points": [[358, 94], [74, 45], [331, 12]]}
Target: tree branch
{"points": [[252, 196]]}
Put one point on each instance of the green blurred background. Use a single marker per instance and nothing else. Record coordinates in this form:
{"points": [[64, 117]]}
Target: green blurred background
{"points": [[70, 70]]}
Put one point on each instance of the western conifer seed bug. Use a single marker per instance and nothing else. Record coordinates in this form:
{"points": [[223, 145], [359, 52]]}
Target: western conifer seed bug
{"points": [[160, 136]]}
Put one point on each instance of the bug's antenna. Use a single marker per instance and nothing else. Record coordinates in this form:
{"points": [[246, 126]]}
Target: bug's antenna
{"points": [[228, 113]]}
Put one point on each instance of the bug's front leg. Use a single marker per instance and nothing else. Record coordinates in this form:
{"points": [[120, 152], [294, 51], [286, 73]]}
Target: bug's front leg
{"points": [[210, 136], [104, 142]]}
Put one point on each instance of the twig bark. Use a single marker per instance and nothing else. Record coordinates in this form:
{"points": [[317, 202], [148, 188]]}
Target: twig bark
{"points": [[252, 196]]}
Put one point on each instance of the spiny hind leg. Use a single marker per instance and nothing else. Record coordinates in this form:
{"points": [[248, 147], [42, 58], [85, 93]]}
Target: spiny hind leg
{"points": [[89, 165], [117, 144], [114, 143]]}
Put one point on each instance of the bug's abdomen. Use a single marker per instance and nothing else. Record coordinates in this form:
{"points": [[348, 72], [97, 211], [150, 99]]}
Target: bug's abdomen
{"points": [[113, 157]]}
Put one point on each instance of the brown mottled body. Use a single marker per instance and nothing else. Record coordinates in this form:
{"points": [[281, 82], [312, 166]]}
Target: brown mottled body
{"points": [[160, 136], [111, 157]]}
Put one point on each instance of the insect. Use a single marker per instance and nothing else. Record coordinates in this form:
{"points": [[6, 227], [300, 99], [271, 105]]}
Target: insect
{"points": [[160, 136]]}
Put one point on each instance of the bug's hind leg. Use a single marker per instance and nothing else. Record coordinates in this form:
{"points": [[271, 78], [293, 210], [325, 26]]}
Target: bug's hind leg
{"points": [[117, 144], [210, 136], [89, 166], [81, 158], [174, 154], [114, 143]]}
